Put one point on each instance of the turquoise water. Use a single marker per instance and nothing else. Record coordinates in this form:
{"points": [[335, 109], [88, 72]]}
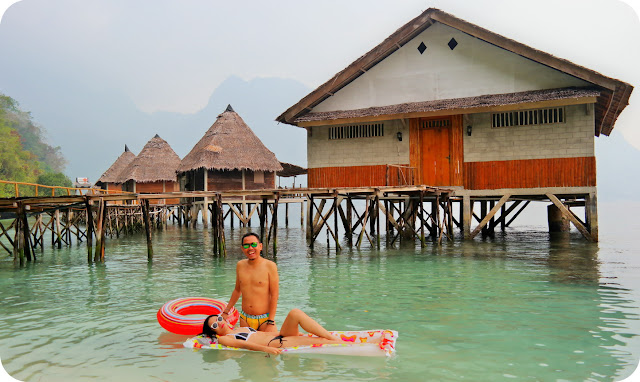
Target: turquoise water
{"points": [[524, 306]]}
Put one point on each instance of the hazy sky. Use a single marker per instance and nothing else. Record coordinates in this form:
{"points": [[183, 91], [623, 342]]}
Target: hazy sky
{"points": [[169, 55]]}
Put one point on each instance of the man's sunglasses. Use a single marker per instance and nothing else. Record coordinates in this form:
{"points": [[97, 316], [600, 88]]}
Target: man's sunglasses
{"points": [[252, 245], [217, 323]]}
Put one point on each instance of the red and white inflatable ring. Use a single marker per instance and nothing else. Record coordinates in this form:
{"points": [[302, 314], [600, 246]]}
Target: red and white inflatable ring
{"points": [[186, 315]]}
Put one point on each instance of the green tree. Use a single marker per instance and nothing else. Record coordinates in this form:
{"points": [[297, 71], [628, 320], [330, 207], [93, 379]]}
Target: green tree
{"points": [[24, 155], [55, 179]]}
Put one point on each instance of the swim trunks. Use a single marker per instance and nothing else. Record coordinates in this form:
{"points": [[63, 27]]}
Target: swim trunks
{"points": [[254, 321]]}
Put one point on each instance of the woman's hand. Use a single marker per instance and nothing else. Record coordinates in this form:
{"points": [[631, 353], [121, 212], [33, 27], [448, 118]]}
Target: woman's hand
{"points": [[274, 351]]}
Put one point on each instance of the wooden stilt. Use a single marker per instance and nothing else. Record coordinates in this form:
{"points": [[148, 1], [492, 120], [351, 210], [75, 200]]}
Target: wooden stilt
{"points": [[18, 242], [422, 239], [100, 232], [274, 223], [223, 243], [89, 213], [147, 227], [466, 216], [488, 216]]}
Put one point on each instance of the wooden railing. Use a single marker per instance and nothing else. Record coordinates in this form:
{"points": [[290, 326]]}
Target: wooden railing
{"points": [[399, 175], [37, 190]]}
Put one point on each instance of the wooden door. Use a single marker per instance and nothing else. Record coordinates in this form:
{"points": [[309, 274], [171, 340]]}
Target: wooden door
{"points": [[435, 151]]}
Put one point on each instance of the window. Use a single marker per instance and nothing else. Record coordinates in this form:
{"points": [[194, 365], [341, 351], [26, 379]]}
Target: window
{"points": [[357, 131], [258, 177], [528, 117]]}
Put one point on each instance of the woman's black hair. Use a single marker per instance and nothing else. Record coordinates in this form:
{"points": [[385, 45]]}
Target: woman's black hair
{"points": [[206, 329]]}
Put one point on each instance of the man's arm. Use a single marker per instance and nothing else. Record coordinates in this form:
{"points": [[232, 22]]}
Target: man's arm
{"points": [[235, 295], [274, 293]]}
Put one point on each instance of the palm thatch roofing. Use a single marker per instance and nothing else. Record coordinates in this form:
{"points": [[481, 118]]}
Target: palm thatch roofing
{"points": [[112, 174], [156, 162], [467, 104], [289, 169], [613, 98], [230, 144]]}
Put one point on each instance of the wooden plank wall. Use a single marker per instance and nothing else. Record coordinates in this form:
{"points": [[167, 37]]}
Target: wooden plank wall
{"points": [[232, 180], [457, 151], [158, 187], [352, 176], [532, 173]]}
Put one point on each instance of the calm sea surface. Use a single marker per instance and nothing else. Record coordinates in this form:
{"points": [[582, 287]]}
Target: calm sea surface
{"points": [[520, 306]]}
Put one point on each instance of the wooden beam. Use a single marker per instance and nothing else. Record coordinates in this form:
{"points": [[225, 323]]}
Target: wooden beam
{"points": [[565, 211], [491, 213]]}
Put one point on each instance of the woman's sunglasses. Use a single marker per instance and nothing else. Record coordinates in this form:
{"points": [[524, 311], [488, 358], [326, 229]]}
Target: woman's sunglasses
{"points": [[217, 323], [252, 245]]}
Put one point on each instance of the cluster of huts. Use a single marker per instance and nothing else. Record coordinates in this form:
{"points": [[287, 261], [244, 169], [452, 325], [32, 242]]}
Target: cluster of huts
{"points": [[228, 157], [440, 102]]}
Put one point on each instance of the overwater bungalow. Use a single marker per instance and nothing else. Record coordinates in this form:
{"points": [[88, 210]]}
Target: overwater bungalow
{"points": [[443, 102], [152, 171], [228, 157], [109, 179]]}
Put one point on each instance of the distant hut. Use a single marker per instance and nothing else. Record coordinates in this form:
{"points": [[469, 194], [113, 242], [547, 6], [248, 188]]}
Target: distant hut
{"points": [[290, 170], [228, 157], [152, 171], [109, 179]]}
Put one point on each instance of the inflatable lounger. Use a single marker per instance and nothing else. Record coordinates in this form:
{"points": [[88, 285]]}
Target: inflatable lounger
{"points": [[363, 343]]}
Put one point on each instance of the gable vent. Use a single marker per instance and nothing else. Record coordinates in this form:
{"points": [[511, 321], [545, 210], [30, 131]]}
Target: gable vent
{"points": [[357, 131], [528, 117], [452, 43], [431, 123], [422, 47]]}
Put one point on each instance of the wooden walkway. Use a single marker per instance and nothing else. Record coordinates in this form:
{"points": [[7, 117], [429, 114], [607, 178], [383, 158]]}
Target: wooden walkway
{"points": [[348, 216]]}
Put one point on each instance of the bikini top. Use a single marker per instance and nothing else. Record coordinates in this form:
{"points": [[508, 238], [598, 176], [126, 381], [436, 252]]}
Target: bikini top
{"points": [[243, 335]]}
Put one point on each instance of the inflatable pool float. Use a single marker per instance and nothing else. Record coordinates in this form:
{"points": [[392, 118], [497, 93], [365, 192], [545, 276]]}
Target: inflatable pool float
{"points": [[361, 343], [186, 315]]}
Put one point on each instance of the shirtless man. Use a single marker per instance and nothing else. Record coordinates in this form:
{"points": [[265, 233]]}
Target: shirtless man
{"points": [[257, 283]]}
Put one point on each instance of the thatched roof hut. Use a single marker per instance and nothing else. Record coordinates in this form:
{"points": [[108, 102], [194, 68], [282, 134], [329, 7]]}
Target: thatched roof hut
{"points": [[112, 174], [230, 144], [156, 162]]}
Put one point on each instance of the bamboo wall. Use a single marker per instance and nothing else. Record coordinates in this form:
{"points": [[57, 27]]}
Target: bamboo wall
{"points": [[356, 176], [232, 180], [533, 173]]}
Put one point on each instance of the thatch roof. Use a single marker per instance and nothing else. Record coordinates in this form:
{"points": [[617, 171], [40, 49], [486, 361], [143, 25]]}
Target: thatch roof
{"points": [[111, 175], [230, 144], [464, 104], [289, 169], [156, 162], [613, 98]]}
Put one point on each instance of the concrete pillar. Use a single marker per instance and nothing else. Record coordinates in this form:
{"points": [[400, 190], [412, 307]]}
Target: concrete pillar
{"points": [[591, 207], [466, 216], [557, 221]]}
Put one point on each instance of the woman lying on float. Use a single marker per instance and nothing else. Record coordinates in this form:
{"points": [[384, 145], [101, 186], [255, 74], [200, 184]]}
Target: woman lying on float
{"points": [[218, 329]]}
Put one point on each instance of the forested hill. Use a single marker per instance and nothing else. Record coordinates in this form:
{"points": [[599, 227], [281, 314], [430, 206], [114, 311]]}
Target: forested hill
{"points": [[24, 154]]}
